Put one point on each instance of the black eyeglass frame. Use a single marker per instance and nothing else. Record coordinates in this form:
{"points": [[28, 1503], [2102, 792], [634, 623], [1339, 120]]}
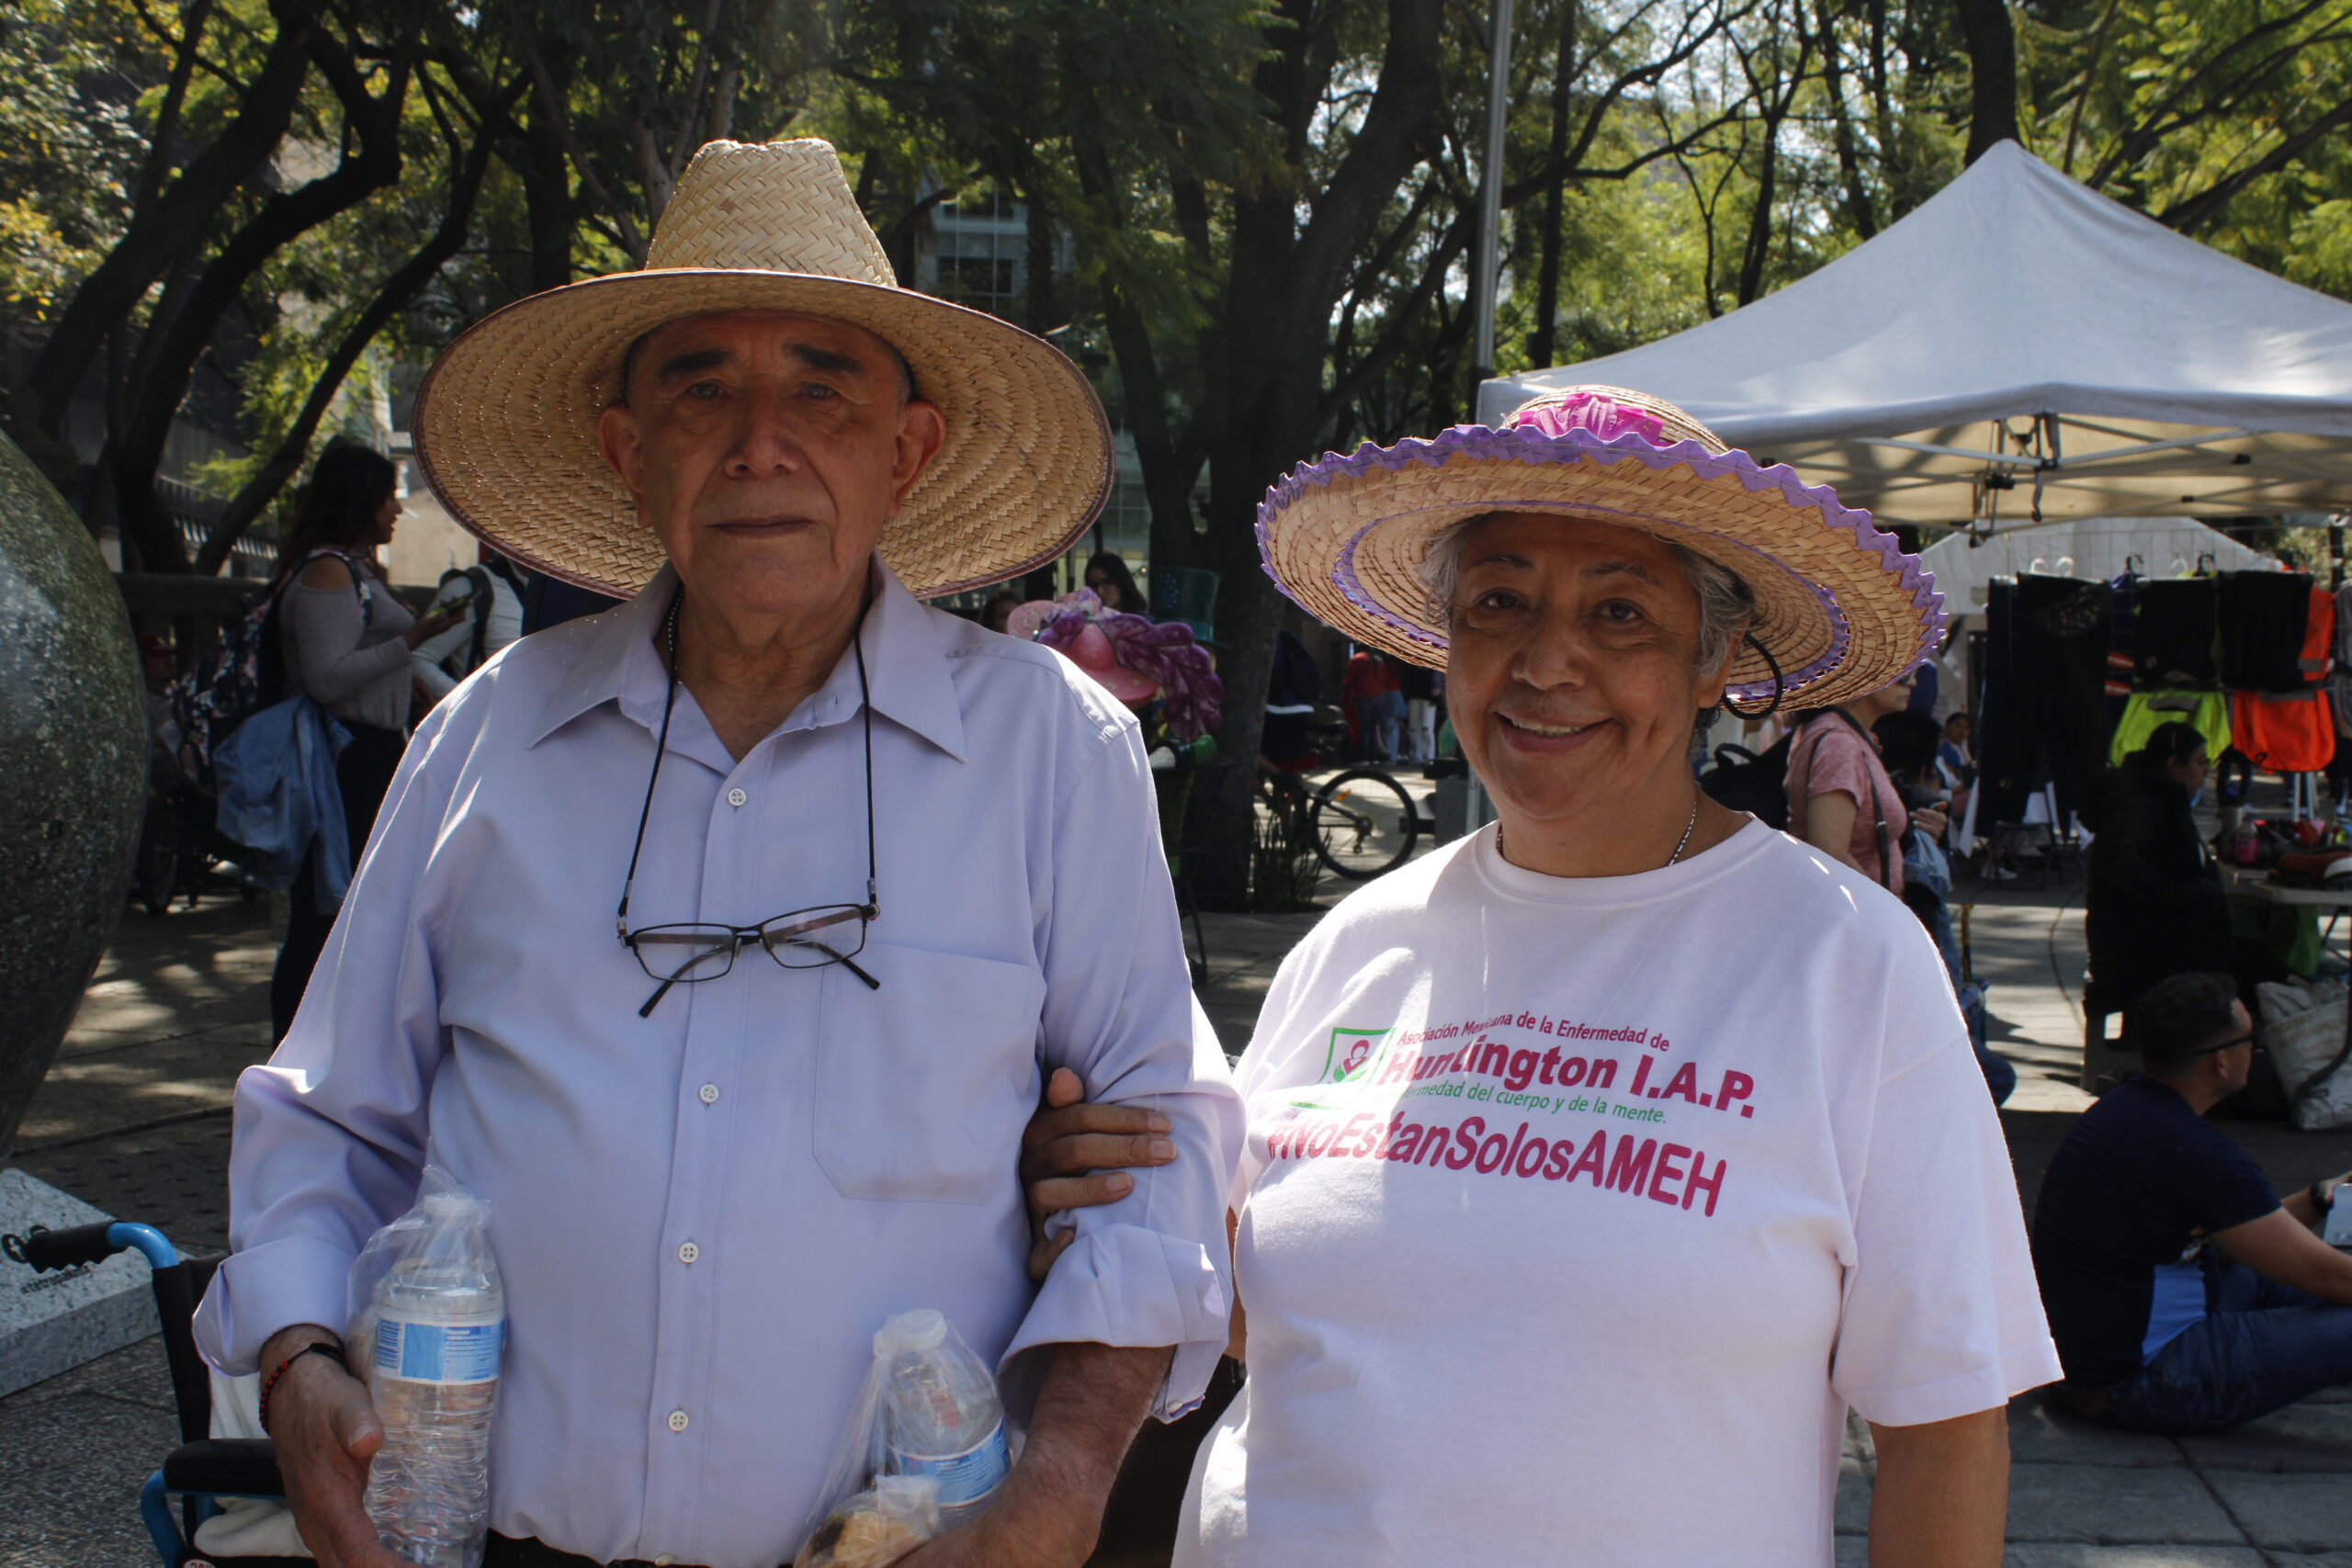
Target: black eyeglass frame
{"points": [[733, 938], [2252, 1038]]}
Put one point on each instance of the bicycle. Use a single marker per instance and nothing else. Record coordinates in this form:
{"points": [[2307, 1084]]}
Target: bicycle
{"points": [[1359, 823]]}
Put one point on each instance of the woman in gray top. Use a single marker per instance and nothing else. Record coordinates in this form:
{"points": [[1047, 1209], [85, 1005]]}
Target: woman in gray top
{"points": [[347, 641]]}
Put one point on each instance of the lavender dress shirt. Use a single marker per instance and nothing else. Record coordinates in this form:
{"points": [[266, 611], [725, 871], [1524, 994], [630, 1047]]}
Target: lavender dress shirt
{"points": [[702, 1216]]}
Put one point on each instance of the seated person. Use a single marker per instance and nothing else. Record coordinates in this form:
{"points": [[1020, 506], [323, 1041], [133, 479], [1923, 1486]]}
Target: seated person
{"points": [[2154, 906], [2184, 1297]]}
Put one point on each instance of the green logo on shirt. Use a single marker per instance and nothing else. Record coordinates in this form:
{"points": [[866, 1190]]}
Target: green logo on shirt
{"points": [[1348, 1057]]}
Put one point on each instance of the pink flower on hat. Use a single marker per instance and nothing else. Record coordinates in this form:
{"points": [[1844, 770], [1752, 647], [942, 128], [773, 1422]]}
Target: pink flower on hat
{"points": [[1594, 412]]}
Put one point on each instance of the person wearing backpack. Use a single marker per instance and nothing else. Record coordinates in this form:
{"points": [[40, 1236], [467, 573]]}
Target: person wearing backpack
{"points": [[1841, 800], [488, 599], [345, 642]]}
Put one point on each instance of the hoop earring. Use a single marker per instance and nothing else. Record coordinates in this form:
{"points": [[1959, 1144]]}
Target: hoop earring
{"points": [[1780, 689]]}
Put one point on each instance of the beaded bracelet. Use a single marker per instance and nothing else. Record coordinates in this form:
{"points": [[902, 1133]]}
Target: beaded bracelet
{"points": [[315, 1347]]}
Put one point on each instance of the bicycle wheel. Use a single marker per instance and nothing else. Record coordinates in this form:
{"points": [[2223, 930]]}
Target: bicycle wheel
{"points": [[155, 872], [1364, 824]]}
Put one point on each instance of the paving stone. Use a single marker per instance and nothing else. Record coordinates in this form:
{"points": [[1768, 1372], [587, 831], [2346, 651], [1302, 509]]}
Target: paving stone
{"points": [[2113, 1503], [2068, 1554], [136, 1373], [1853, 1498], [174, 1178], [2040, 1433], [71, 1469], [2292, 1513], [2299, 1438]]}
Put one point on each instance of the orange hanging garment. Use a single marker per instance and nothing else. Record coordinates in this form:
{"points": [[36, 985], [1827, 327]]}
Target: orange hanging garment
{"points": [[2284, 735]]}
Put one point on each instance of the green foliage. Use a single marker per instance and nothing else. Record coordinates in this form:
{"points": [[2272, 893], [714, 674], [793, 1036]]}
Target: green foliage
{"points": [[1666, 159], [70, 148]]}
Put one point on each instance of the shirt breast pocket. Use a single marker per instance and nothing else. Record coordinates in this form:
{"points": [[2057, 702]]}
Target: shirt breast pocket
{"points": [[923, 1085]]}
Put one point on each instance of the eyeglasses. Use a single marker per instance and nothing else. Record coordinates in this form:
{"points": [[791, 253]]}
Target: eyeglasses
{"points": [[2254, 1039], [688, 953]]}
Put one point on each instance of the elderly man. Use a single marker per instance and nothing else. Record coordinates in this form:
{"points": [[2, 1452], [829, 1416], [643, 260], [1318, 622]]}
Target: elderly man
{"points": [[721, 941]]}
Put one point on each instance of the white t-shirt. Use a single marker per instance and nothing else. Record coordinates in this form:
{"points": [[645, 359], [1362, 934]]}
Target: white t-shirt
{"points": [[1546, 1263]]}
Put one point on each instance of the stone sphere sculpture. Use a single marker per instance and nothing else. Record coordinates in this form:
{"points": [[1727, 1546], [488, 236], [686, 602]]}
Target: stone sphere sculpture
{"points": [[72, 771]]}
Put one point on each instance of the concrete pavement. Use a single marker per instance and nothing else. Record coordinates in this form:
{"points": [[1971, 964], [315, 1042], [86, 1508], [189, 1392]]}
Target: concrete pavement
{"points": [[134, 1118]]}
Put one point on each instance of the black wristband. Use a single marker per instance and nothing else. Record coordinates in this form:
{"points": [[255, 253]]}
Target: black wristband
{"points": [[269, 1384]]}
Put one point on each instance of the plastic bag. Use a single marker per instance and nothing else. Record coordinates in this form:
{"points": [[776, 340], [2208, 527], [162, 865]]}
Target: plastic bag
{"points": [[427, 1317], [876, 1527], [2304, 1027], [924, 1448], [374, 1261]]}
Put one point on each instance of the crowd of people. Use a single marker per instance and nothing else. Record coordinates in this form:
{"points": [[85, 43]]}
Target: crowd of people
{"points": [[1528, 1254]]}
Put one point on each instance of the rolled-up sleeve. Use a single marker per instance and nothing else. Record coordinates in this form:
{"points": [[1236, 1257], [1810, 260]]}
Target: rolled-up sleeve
{"points": [[330, 1131], [1151, 1269]]}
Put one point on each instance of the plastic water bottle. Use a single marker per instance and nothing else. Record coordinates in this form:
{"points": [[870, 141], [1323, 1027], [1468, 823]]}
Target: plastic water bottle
{"points": [[440, 1325], [941, 1417]]}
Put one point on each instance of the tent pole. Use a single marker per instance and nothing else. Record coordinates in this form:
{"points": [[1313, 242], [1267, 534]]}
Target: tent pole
{"points": [[1486, 260]]}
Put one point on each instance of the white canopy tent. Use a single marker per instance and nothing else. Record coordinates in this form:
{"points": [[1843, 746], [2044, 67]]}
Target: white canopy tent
{"points": [[2088, 546], [2020, 346]]}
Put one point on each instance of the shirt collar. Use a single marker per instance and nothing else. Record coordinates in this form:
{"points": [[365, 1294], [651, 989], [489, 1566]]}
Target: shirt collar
{"points": [[906, 667]]}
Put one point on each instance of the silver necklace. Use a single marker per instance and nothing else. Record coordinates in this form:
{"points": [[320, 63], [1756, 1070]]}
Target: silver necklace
{"points": [[1680, 844]]}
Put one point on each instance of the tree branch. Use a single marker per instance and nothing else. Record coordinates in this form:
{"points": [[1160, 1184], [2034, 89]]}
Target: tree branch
{"points": [[159, 235], [393, 297], [551, 103], [2200, 209]]}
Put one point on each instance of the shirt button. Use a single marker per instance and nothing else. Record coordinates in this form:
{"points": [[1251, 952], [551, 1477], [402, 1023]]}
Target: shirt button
{"points": [[688, 1252], [736, 796], [707, 1094], [677, 1420]]}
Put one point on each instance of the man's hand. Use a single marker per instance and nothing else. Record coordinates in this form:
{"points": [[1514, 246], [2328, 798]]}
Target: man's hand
{"points": [[1069, 1157], [1930, 820], [326, 1431], [1048, 1513]]}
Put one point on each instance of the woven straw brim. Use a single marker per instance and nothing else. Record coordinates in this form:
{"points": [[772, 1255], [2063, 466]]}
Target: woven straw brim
{"points": [[505, 427], [1841, 608]]}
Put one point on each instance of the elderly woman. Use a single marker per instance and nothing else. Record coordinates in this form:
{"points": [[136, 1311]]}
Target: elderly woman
{"points": [[1543, 1262]]}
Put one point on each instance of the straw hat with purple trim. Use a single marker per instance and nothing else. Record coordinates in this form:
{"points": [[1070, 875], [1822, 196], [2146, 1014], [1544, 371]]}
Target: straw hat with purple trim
{"points": [[506, 421], [1841, 610]]}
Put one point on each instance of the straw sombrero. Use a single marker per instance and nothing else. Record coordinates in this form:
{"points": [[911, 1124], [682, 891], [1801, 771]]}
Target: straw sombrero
{"points": [[1841, 610], [506, 421]]}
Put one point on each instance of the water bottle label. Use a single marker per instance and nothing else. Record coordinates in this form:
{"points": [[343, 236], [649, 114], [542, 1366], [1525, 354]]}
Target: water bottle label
{"points": [[963, 1478], [439, 1353]]}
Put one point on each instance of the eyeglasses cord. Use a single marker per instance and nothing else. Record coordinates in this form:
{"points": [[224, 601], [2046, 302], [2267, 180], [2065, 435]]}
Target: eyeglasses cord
{"points": [[662, 744]]}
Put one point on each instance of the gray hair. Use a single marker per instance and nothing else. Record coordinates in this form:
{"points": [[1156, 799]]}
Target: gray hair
{"points": [[1727, 605]]}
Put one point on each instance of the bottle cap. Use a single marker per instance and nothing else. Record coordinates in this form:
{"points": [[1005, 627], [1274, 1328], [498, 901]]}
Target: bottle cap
{"points": [[450, 1208], [925, 1328]]}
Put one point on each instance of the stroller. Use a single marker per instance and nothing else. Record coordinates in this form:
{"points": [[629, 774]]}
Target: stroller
{"points": [[203, 1469]]}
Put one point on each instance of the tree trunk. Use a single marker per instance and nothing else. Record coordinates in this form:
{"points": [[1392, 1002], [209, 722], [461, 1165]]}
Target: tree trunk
{"points": [[1860, 210], [547, 202], [1539, 341], [1283, 281], [1991, 74]]}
